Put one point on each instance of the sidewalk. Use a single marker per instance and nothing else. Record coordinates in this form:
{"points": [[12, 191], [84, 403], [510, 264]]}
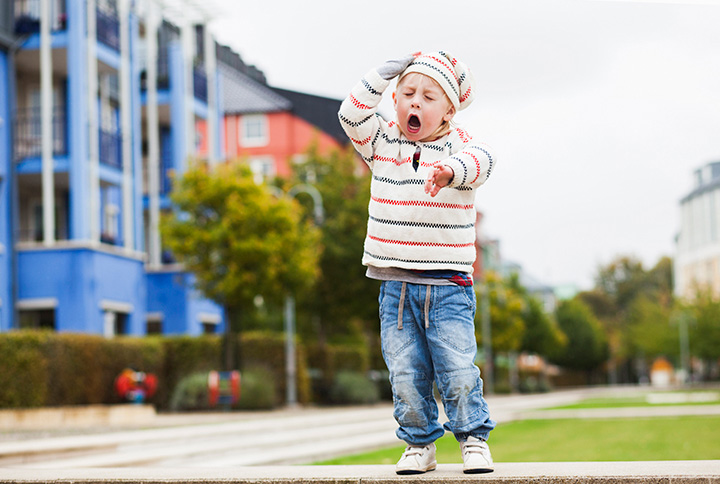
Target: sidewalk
{"points": [[291, 436], [670, 472]]}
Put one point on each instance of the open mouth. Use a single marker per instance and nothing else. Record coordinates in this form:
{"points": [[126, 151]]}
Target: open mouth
{"points": [[413, 124]]}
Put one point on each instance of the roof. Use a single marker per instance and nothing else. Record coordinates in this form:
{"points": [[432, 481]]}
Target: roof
{"points": [[242, 94], [317, 110]]}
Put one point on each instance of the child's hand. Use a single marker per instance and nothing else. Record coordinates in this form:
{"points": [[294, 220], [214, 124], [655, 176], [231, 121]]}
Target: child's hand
{"points": [[439, 177], [395, 67]]}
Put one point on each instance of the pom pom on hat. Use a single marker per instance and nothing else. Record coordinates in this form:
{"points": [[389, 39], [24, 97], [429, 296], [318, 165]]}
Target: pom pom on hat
{"points": [[452, 75]]}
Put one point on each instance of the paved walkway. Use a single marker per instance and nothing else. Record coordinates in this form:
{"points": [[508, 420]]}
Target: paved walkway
{"points": [[300, 435], [668, 472]]}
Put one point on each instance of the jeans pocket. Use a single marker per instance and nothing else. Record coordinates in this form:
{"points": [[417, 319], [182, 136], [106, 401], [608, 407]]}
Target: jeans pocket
{"points": [[455, 318], [393, 340]]}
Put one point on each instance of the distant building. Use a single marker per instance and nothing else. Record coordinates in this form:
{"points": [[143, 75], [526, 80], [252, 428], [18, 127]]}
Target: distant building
{"points": [[543, 292], [100, 102], [697, 256], [272, 128]]}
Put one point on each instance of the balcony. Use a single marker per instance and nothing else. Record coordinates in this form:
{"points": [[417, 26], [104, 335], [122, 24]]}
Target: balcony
{"points": [[200, 83], [108, 27], [28, 133], [111, 149], [27, 16]]}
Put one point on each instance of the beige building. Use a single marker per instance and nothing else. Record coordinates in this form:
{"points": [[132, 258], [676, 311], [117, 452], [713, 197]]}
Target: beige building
{"points": [[697, 256]]}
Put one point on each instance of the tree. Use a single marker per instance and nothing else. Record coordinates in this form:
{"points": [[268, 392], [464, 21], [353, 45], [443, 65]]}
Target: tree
{"points": [[587, 346], [542, 334], [238, 239], [344, 300], [619, 285], [506, 314]]}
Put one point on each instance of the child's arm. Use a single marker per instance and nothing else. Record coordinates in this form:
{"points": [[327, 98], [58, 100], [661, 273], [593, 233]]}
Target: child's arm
{"points": [[358, 112], [470, 167]]}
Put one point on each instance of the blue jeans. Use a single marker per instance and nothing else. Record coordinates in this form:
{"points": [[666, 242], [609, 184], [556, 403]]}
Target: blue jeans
{"points": [[429, 337]]}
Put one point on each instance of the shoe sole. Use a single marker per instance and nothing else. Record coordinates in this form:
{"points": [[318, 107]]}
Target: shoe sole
{"points": [[481, 470], [407, 472]]}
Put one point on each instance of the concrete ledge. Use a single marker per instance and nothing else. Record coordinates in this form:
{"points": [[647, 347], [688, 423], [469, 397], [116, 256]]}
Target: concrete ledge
{"points": [[660, 472], [77, 417]]}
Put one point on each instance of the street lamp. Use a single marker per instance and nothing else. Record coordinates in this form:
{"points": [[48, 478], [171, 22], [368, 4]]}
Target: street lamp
{"points": [[289, 312]]}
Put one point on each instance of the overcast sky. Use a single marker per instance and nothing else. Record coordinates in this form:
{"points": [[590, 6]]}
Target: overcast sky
{"points": [[599, 111]]}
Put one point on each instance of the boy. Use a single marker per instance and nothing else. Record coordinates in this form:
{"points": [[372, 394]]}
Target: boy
{"points": [[421, 244]]}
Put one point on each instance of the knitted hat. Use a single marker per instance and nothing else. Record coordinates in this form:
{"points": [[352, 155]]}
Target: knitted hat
{"points": [[453, 76]]}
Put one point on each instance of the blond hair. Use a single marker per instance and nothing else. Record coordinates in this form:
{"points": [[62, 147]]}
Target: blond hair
{"points": [[445, 126]]}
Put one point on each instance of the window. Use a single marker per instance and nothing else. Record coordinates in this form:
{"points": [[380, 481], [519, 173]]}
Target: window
{"points": [[253, 130], [154, 323], [37, 319], [263, 168]]}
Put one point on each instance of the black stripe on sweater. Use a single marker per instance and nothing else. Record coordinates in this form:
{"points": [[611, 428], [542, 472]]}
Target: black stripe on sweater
{"points": [[407, 223]]}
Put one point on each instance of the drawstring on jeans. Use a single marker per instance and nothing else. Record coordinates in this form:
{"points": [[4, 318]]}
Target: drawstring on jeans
{"points": [[427, 307], [402, 306]]}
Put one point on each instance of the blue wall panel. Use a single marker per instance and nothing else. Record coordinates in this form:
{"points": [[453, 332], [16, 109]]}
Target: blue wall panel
{"points": [[5, 206], [82, 280]]}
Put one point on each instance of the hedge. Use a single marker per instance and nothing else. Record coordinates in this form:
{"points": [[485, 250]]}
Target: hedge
{"points": [[40, 368]]}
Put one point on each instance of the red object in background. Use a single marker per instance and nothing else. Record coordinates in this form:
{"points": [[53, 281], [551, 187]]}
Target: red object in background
{"points": [[224, 387], [135, 386]]}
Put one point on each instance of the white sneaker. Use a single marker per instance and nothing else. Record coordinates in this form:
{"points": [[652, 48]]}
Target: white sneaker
{"points": [[476, 456], [417, 459]]}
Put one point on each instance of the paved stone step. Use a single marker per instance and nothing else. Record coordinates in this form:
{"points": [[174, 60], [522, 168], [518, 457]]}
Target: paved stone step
{"points": [[669, 472], [233, 449], [267, 423]]}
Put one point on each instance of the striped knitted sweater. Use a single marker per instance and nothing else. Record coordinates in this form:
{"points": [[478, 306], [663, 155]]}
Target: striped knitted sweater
{"points": [[408, 228]]}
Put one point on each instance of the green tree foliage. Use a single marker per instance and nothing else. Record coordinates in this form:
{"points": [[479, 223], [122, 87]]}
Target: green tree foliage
{"points": [[703, 319], [238, 239], [634, 306], [507, 310], [586, 343], [649, 331], [542, 334], [344, 302]]}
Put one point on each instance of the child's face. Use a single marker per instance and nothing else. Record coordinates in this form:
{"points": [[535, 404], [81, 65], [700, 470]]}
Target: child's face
{"points": [[421, 106]]}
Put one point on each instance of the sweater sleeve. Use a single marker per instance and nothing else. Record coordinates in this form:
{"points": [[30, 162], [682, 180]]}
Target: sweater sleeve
{"points": [[358, 114], [472, 165]]}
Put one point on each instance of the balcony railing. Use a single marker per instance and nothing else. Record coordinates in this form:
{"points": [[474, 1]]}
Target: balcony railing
{"points": [[111, 149], [27, 16], [108, 28], [200, 83], [28, 133]]}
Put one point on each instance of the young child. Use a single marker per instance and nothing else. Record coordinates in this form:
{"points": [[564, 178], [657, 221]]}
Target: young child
{"points": [[421, 244]]}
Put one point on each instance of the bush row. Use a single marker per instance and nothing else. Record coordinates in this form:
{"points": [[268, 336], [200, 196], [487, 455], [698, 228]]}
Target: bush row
{"points": [[54, 369]]}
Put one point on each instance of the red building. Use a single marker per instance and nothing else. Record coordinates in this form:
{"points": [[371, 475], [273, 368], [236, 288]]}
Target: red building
{"points": [[271, 128]]}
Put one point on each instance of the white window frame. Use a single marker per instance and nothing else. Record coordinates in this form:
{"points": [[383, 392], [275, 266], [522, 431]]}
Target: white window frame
{"points": [[263, 168], [246, 127]]}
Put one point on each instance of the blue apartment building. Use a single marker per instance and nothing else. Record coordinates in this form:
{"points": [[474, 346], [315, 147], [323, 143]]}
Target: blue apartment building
{"points": [[99, 102]]}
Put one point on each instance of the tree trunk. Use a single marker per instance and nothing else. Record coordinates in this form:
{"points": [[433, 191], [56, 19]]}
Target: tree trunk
{"points": [[231, 341]]}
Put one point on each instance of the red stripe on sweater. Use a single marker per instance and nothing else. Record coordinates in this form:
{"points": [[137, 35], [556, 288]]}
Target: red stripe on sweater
{"points": [[420, 203], [391, 160], [420, 244], [477, 164], [357, 103], [363, 142]]}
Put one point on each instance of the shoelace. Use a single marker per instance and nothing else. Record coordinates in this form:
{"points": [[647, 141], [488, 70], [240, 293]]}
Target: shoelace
{"points": [[474, 447], [414, 450]]}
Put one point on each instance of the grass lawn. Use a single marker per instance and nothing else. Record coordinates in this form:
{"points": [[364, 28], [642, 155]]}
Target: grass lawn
{"points": [[649, 400], [658, 438]]}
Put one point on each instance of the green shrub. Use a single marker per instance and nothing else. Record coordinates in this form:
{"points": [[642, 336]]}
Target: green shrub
{"points": [[191, 393], [351, 387], [183, 356], [267, 350], [328, 360], [24, 369], [257, 390]]}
